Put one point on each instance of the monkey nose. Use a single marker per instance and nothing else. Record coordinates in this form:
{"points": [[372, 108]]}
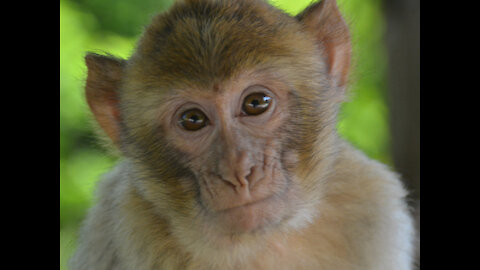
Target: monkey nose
{"points": [[255, 175], [236, 177], [241, 172]]}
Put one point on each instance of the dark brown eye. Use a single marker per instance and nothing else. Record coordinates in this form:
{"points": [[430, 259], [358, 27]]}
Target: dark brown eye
{"points": [[256, 103], [193, 120]]}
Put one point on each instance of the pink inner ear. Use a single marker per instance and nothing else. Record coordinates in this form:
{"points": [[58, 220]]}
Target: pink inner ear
{"points": [[104, 76], [106, 113], [115, 112], [339, 63]]}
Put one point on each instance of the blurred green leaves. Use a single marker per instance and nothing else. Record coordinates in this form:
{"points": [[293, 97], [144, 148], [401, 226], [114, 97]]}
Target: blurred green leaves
{"points": [[291, 7], [113, 26], [126, 17], [364, 120]]}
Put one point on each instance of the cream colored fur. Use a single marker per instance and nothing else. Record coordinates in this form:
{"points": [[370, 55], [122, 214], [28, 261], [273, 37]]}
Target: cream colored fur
{"points": [[362, 223]]}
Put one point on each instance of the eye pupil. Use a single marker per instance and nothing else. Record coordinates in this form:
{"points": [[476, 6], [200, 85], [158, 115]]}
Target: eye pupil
{"points": [[193, 120], [256, 103]]}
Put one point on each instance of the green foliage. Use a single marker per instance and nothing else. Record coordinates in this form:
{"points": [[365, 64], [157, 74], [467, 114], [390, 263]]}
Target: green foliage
{"points": [[291, 7], [114, 26], [125, 17]]}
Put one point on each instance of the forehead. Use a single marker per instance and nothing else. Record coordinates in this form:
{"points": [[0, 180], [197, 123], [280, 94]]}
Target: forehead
{"points": [[202, 43]]}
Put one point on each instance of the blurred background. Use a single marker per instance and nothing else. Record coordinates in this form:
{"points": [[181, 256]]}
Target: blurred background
{"points": [[382, 118]]}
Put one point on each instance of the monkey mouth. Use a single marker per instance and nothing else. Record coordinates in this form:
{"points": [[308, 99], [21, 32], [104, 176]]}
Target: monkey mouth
{"points": [[249, 204], [247, 210], [252, 216]]}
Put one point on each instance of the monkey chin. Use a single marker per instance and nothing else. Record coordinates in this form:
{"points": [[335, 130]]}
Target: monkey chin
{"points": [[254, 217], [251, 217]]}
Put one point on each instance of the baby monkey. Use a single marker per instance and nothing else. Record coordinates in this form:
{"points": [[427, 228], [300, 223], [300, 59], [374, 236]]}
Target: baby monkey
{"points": [[225, 117]]}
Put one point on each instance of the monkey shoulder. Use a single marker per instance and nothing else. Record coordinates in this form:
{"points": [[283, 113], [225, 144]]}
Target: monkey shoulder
{"points": [[96, 247], [116, 228], [355, 172], [366, 185], [368, 201]]}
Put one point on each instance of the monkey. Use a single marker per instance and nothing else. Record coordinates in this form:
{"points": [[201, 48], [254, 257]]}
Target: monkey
{"points": [[225, 117]]}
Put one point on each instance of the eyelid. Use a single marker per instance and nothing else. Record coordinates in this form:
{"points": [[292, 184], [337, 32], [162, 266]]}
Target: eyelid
{"points": [[257, 88], [186, 106]]}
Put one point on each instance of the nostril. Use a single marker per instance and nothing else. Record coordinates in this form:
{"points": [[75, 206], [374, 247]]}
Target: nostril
{"points": [[254, 176], [249, 175]]}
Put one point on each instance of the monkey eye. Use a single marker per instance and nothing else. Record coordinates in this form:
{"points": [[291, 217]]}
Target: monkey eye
{"points": [[256, 103], [193, 120]]}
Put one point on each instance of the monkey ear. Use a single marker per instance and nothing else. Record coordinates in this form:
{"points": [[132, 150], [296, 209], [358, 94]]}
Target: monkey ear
{"points": [[324, 21], [101, 90]]}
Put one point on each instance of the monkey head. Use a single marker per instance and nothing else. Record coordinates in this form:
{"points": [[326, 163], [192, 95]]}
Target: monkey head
{"points": [[225, 112]]}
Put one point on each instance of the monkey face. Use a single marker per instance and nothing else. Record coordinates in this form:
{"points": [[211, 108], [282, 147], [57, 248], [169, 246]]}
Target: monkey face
{"points": [[221, 130], [227, 149], [231, 135], [229, 158]]}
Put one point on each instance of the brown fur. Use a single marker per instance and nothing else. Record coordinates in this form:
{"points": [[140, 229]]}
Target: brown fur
{"points": [[314, 201]]}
